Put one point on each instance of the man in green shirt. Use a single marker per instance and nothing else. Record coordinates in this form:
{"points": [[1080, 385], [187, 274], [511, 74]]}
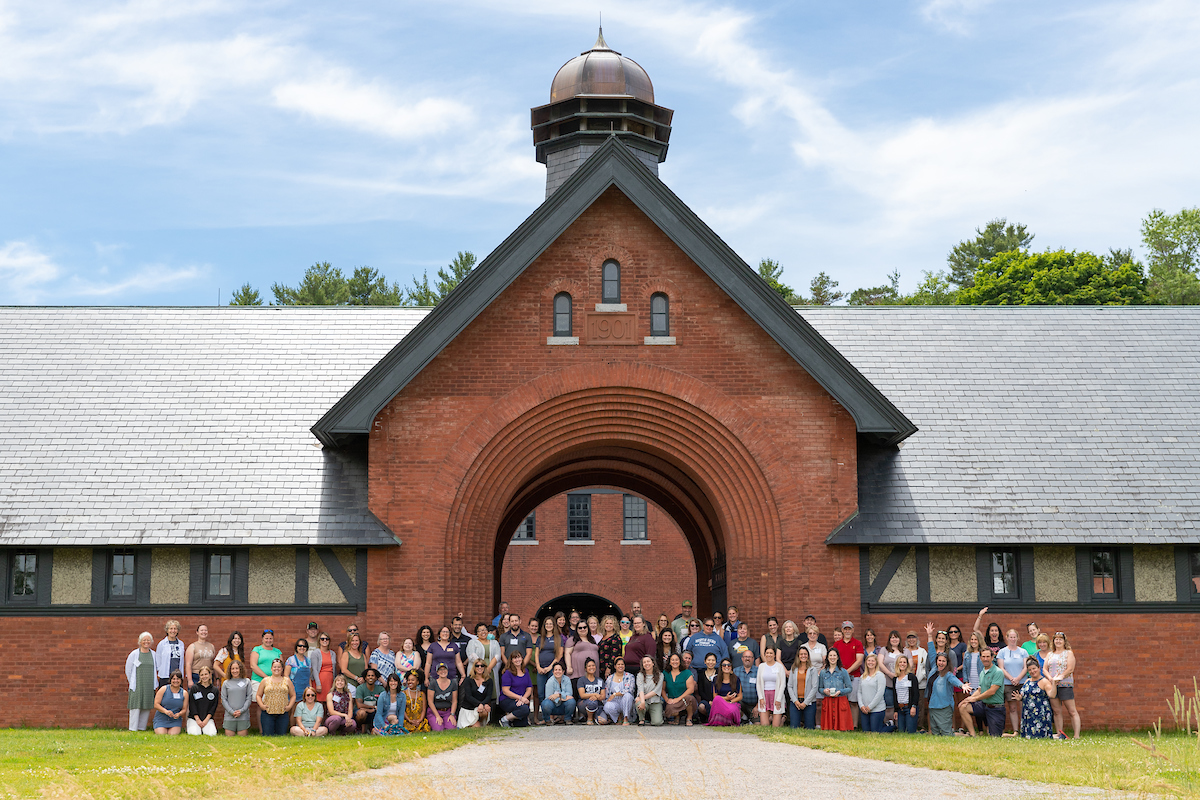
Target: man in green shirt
{"points": [[986, 702], [364, 698], [1031, 646]]}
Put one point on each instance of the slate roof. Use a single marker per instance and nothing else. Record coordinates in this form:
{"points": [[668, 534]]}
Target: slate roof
{"points": [[139, 426], [1036, 425], [127, 426]]}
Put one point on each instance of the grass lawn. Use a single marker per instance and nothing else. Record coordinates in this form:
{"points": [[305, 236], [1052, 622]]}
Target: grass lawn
{"points": [[1105, 760], [108, 763]]}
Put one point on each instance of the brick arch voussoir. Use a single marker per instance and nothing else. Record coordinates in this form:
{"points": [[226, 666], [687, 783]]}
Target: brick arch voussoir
{"points": [[537, 412]]}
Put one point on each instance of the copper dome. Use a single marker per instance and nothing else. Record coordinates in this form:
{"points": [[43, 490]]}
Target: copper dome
{"points": [[601, 71]]}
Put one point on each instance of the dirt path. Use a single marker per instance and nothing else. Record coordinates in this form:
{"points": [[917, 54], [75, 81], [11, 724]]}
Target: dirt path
{"points": [[628, 763]]}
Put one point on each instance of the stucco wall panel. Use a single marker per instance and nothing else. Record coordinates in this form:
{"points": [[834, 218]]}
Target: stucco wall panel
{"points": [[321, 586], [903, 586], [169, 575], [1054, 579], [1153, 574], [71, 581], [272, 575], [952, 576]]}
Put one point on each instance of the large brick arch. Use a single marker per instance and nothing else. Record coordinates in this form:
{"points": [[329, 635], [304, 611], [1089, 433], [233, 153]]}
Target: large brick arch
{"points": [[676, 440]]}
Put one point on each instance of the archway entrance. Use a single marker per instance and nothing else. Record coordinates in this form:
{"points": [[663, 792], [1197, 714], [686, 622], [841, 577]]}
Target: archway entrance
{"points": [[548, 440], [586, 604]]}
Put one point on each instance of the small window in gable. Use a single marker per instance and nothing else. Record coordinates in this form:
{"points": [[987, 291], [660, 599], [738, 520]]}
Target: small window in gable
{"points": [[612, 282], [660, 324], [562, 314]]}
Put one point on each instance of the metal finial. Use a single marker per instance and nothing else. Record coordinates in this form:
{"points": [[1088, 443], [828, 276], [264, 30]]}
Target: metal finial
{"points": [[600, 43]]}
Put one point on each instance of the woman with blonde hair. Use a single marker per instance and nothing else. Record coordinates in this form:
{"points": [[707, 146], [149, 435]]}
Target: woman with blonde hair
{"points": [[610, 646], [1060, 669], [139, 671], [475, 696], [351, 664], [870, 695], [1043, 649], [789, 643]]}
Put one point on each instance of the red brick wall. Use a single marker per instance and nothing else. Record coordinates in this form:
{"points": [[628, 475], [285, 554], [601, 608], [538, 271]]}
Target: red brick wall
{"points": [[1116, 686], [757, 460], [620, 573], [70, 671]]}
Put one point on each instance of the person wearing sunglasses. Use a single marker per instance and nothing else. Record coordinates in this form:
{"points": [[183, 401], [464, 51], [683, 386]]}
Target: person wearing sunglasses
{"points": [[298, 668], [580, 648], [693, 628], [308, 715], [707, 642], [475, 696]]}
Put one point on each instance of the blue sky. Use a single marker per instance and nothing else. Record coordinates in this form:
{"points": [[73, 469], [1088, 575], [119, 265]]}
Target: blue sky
{"points": [[165, 153]]}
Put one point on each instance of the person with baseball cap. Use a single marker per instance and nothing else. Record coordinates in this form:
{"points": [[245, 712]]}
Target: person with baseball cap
{"points": [[851, 652]]}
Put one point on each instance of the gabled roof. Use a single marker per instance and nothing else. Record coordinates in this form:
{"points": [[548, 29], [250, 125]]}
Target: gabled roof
{"points": [[1039, 425], [183, 426], [612, 165]]}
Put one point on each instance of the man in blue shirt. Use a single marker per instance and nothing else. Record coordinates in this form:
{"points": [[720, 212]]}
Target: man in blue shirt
{"points": [[747, 673], [707, 641], [503, 611]]}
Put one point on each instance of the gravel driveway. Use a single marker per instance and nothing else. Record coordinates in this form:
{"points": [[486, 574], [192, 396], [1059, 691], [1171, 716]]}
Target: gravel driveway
{"points": [[588, 762]]}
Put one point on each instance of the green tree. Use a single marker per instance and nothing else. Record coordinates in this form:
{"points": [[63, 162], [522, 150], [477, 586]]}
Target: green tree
{"points": [[823, 290], [448, 277], [998, 236], [1172, 244], [367, 287], [771, 271], [323, 285], [934, 290], [246, 296], [887, 295], [1058, 277]]}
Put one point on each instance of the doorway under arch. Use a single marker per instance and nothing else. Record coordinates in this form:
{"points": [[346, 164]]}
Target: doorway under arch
{"points": [[586, 604]]}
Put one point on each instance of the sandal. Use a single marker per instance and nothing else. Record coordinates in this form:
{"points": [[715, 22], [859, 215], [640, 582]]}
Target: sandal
{"points": [[689, 723]]}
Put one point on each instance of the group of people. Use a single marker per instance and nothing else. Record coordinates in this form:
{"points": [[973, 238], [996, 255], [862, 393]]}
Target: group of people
{"points": [[567, 668]]}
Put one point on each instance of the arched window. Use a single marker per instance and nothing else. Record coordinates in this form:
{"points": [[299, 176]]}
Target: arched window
{"points": [[562, 314], [612, 282], [660, 324]]}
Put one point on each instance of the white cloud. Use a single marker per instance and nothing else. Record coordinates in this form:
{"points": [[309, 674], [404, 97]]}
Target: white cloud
{"points": [[369, 107], [24, 270], [1082, 148], [953, 15], [29, 275]]}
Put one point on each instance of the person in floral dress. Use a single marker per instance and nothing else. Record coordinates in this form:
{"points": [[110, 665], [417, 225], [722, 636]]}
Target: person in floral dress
{"points": [[1037, 718]]}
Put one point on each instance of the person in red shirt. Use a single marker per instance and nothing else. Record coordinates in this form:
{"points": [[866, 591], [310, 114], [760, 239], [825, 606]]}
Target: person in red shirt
{"points": [[850, 654]]}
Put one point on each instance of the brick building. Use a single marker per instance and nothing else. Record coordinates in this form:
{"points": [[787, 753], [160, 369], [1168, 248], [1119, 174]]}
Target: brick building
{"points": [[254, 468]]}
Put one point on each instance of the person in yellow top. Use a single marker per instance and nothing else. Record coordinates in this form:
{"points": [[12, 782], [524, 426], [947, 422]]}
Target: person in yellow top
{"points": [[276, 697]]}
